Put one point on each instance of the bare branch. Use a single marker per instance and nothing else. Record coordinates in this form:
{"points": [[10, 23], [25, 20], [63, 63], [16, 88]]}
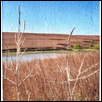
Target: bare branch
{"points": [[9, 54], [28, 94], [10, 70], [89, 68], [67, 66], [85, 76], [15, 39], [78, 74], [23, 52], [5, 65], [28, 75], [9, 80], [62, 72], [68, 77], [33, 75], [23, 41], [77, 79]]}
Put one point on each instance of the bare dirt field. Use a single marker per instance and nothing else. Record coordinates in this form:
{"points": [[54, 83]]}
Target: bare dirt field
{"points": [[47, 41]]}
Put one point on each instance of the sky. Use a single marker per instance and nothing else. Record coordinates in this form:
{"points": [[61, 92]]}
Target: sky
{"points": [[52, 17]]}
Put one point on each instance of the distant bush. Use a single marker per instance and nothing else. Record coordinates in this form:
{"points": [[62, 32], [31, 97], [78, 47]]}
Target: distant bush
{"points": [[70, 49], [91, 46], [77, 46], [97, 46], [59, 48]]}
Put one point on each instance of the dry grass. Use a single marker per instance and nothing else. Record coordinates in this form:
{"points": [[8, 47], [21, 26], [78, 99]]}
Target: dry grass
{"points": [[36, 40], [46, 83]]}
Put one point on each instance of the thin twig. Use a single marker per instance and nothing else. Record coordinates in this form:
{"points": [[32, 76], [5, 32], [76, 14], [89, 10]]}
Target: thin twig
{"points": [[85, 76], [79, 71], [9, 80], [10, 70], [89, 68], [77, 79], [9, 54], [27, 75], [62, 72], [28, 94], [5, 65], [23, 52], [33, 75]]}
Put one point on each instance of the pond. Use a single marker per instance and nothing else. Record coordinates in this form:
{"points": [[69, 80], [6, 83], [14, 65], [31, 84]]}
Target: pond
{"points": [[32, 56]]}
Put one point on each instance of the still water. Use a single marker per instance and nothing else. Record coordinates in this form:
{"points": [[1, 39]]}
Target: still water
{"points": [[38, 55], [32, 56]]}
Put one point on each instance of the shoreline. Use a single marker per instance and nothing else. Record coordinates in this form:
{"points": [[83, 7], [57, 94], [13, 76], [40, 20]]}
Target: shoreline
{"points": [[42, 52], [37, 52]]}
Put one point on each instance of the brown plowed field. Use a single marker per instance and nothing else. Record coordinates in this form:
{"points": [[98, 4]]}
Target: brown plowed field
{"points": [[40, 40]]}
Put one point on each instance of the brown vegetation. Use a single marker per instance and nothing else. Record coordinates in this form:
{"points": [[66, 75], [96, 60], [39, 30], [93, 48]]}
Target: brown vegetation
{"points": [[46, 83], [52, 41]]}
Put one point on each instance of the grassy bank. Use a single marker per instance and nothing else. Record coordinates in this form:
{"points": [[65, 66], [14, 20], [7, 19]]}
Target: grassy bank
{"points": [[84, 50], [47, 83], [54, 51]]}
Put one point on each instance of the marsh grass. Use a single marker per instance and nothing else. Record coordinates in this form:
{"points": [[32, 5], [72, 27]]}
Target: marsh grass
{"points": [[46, 82]]}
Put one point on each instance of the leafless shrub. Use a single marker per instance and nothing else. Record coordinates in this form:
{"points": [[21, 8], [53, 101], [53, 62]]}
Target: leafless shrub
{"points": [[14, 70]]}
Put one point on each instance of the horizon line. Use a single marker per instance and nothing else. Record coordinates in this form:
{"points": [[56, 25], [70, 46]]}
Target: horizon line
{"points": [[51, 33]]}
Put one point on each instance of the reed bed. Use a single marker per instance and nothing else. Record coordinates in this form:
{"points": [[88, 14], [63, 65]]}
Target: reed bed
{"points": [[47, 83]]}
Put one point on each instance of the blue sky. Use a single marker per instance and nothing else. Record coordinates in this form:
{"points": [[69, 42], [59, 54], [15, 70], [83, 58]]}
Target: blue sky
{"points": [[52, 17]]}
